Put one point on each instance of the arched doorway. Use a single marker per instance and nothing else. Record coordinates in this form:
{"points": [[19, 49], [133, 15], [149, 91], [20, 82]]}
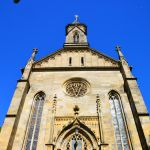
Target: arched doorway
{"points": [[76, 136]]}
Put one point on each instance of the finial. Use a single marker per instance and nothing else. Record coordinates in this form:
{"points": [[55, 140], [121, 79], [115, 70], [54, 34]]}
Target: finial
{"points": [[55, 97], [97, 96], [76, 19], [98, 101], [35, 50], [76, 110], [118, 48], [54, 104]]}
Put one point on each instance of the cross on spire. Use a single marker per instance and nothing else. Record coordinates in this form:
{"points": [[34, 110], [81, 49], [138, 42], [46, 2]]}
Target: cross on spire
{"points": [[120, 54], [76, 19], [118, 48], [35, 50]]}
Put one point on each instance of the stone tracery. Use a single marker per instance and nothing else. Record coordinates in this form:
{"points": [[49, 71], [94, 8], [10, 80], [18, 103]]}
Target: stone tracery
{"points": [[118, 121], [76, 136], [76, 87], [77, 142]]}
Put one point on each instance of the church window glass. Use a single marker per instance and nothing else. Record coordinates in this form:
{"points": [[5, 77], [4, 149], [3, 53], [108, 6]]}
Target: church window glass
{"points": [[118, 121], [34, 127], [76, 143]]}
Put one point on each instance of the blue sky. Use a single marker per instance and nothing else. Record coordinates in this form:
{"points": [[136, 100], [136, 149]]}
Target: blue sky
{"points": [[41, 24]]}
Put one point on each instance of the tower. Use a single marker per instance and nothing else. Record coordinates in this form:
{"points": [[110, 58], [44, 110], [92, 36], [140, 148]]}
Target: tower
{"points": [[76, 99]]}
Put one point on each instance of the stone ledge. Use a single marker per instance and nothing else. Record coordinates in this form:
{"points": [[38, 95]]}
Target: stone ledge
{"points": [[76, 69]]}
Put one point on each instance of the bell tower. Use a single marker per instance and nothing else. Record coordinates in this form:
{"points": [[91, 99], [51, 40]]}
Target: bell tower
{"points": [[76, 34]]}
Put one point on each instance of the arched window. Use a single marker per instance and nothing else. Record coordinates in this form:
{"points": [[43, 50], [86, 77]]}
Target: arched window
{"points": [[76, 37], [76, 143], [118, 121], [35, 122]]}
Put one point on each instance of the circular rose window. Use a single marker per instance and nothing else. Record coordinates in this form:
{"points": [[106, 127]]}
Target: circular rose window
{"points": [[76, 87]]}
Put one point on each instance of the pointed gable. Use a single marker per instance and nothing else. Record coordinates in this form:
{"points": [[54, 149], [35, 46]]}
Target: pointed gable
{"points": [[76, 57], [76, 51]]}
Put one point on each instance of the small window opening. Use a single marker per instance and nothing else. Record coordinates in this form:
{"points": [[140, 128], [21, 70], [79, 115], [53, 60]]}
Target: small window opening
{"points": [[76, 38], [82, 61], [70, 61]]}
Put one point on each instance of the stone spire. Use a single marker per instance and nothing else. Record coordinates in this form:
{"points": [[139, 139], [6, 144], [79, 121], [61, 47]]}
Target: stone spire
{"points": [[76, 110], [118, 49], [124, 64]]}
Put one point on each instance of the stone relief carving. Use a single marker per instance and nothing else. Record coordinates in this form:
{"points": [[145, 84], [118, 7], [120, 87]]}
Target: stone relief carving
{"points": [[89, 121]]}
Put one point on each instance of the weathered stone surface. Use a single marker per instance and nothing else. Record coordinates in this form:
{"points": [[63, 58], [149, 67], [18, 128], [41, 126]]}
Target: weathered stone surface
{"points": [[88, 115]]}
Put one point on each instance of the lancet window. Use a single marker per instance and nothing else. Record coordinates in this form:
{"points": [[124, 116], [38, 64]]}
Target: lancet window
{"points": [[118, 121], [35, 122], [76, 37]]}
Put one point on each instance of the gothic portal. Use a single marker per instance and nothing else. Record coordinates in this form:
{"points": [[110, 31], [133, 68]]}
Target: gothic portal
{"points": [[76, 99]]}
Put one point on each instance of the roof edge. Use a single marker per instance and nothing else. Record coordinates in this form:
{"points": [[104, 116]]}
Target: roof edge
{"points": [[76, 48]]}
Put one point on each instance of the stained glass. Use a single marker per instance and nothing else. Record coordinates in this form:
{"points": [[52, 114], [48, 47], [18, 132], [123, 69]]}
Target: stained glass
{"points": [[118, 121], [35, 122], [76, 143]]}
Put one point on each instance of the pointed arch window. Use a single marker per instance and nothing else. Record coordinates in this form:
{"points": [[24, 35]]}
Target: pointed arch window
{"points": [[118, 121], [76, 143], [76, 37], [35, 122]]}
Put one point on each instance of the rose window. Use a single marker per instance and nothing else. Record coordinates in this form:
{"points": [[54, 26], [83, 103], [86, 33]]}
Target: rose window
{"points": [[76, 87]]}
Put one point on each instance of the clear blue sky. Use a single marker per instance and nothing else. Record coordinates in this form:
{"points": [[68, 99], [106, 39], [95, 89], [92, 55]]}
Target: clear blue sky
{"points": [[41, 24]]}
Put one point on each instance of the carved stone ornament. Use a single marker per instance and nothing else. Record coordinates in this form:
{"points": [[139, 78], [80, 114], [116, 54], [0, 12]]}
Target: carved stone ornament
{"points": [[76, 87]]}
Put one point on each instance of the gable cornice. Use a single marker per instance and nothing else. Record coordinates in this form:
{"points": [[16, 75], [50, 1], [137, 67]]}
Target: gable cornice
{"points": [[76, 49]]}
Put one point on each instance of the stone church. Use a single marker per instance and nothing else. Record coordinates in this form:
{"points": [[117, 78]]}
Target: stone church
{"points": [[76, 98]]}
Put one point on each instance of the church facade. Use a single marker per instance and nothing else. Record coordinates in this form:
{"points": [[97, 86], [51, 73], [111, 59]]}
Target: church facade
{"points": [[76, 99]]}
